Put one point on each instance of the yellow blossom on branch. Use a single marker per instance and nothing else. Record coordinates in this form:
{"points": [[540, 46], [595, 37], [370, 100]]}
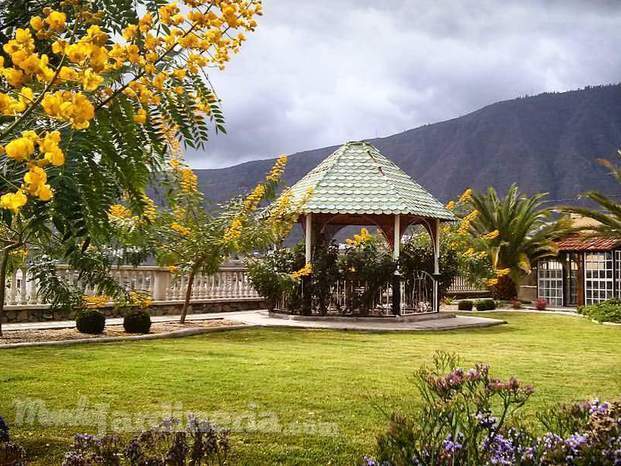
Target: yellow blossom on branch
{"points": [[359, 238], [277, 170], [183, 231], [466, 196], [96, 301], [491, 235], [119, 211], [233, 232], [303, 272], [13, 201]]}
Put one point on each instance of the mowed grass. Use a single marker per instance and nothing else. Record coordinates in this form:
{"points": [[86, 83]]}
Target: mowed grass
{"points": [[303, 397]]}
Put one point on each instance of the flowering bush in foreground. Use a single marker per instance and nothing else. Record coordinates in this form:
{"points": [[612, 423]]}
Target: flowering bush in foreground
{"points": [[467, 419], [11, 454], [200, 442]]}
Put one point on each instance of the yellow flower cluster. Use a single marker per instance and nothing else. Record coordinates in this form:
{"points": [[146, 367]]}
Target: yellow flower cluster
{"points": [[95, 301], [26, 62], [140, 299], [183, 231], [450, 205], [503, 272], [234, 231], [464, 226], [492, 282], [119, 211], [470, 252], [303, 272], [361, 238], [277, 170], [253, 200], [189, 180], [465, 196], [35, 183], [22, 149], [491, 235], [70, 106], [150, 210], [13, 201]]}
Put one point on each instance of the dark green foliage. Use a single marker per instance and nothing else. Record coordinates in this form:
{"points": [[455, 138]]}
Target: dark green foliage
{"points": [[90, 321], [370, 262], [607, 311], [271, 275], [137, 321], [607, 214], [325, 274], [465, 305], [417, 254], [485, 305]]}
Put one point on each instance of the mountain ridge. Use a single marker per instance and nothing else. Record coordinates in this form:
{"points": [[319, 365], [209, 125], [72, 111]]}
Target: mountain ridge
{"points": [[546, 143]]}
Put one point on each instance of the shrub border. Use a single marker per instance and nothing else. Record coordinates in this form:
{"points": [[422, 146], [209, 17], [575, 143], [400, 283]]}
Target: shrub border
{"points": [[186, 332]]}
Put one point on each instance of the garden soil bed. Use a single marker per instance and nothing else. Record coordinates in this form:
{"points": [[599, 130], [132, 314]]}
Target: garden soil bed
{"points": [[67, 334]]}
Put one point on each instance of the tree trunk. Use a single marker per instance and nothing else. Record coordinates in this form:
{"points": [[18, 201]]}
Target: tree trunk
{"points": [[188, 296], [4, 259]]}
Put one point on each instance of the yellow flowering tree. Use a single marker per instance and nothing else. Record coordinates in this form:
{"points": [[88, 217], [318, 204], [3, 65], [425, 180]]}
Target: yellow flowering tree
{"points": [[512, 232], [87, 92], [190, 239]]}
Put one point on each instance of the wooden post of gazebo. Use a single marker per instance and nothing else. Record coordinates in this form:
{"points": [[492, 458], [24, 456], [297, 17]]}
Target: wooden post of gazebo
{"points": [[436, 264], [357, 185]]}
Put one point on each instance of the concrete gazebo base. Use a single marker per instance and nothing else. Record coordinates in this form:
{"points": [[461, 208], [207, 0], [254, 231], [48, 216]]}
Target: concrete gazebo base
{"points": [[357, 318]]}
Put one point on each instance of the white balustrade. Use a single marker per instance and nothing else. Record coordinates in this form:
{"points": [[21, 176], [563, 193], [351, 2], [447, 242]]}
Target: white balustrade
{"points": [[230, 283]]}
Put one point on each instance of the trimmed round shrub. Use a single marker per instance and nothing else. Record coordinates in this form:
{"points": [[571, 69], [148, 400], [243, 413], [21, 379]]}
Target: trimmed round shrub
{"points": [[465, 305], [90, 321], [486, 305], [137, 321]]}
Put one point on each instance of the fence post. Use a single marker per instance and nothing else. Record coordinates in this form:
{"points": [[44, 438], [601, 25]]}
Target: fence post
{"points": [[161, 282]]}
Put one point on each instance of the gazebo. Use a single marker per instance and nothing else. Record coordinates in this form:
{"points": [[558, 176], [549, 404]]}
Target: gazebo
{"points": [[357, 185]]}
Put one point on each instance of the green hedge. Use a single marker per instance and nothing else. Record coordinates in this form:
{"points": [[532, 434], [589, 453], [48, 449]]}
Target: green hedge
{"points": [[485, 305], [607, 311], [465, 305]]}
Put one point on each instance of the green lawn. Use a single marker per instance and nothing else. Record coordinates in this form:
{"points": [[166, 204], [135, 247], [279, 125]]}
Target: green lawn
{"points": [[299, 386]]}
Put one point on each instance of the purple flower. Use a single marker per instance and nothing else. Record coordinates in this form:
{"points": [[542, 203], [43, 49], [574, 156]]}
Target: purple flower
{"points": [[452, 446], [486, 420], [575, 441], [500, 450], [598, 407]]}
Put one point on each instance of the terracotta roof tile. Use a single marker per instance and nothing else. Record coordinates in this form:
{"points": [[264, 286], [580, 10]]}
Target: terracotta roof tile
{"points": [[587, 243]]}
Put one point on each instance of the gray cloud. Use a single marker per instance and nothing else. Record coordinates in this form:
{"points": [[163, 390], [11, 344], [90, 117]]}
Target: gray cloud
{"points": [[320, 72]]}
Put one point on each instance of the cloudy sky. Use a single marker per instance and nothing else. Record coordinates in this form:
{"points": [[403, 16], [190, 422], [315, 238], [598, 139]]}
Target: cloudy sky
{"points": [[320, 72]]}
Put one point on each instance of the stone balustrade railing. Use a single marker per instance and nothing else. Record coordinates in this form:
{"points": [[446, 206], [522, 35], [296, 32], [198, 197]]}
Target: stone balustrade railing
{"points": [[230, 283]]}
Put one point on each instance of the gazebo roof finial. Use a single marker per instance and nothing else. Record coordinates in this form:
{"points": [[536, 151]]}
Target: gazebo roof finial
{"points": [[358, 179]]}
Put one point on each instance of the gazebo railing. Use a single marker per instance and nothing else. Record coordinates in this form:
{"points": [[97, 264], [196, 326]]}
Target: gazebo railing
{"points": [[355, 297]]}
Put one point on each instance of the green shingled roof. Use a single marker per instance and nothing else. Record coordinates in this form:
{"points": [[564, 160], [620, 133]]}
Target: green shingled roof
{"points": [[358, 179]]}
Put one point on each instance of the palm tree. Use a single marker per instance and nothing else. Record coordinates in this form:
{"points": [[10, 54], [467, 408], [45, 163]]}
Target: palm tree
{"points": [[608, 213], [515, 231]]}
